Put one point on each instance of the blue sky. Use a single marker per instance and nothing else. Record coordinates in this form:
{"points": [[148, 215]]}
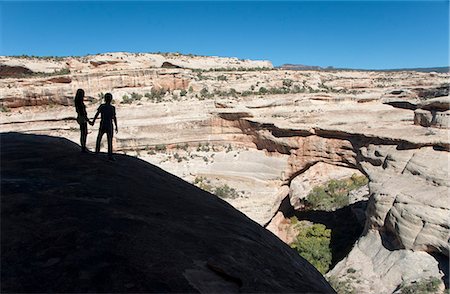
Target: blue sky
{"points": [[354, 34]]}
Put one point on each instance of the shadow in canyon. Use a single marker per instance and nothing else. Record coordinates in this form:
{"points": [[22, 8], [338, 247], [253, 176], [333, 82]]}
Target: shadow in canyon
{"points": [[345, 226]]}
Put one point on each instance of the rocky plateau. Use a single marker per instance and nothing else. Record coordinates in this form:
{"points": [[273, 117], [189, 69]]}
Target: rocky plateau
{"points": [[269, 136]]}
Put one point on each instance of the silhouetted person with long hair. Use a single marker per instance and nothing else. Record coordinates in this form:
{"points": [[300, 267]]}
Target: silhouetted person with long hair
{"points": [[108, 116], [82, 118]]}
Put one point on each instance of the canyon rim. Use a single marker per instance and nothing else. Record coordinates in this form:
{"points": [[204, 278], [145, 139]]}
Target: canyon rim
{"points": [[264, 138]]}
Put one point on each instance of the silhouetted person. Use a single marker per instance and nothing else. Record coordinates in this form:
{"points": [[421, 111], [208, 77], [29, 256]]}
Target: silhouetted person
{"points": [[82, 118], [108, 115]]}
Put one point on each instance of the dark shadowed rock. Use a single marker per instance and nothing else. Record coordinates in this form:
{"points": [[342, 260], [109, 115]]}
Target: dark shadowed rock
{"points": [[7, 71], [167, 64], [73, 222]]}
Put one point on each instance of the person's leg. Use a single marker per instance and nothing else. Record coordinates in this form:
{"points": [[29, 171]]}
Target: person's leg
{"points": [[83, 136], [99, 140], [109, 135]]}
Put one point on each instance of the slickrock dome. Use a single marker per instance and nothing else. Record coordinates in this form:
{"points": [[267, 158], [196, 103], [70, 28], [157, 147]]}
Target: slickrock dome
{"points": [[75, 222]]}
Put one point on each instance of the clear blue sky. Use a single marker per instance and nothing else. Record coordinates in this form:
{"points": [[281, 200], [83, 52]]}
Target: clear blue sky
{"points": [[354, 34]]}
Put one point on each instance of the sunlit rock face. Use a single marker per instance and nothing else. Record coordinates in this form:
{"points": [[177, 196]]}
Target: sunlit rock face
{"points": [[270, 134]]}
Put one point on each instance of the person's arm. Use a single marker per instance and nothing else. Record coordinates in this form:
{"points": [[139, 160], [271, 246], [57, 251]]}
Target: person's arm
{"points": [[115, 121], [95, 117]]}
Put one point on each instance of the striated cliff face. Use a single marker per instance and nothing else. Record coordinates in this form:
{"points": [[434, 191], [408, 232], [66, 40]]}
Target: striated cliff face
{"points": [[76, 222], [95, 73], [307, 128]]}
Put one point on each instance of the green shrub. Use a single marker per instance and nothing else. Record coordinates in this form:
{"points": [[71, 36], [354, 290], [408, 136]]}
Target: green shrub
{"points": [[334, 194], [313, 244], [425, 286], [126, 99], [204, 93], [287, 83], [223, 191], [226, 191], [136, 96], [262, 91], [203, 184], [160, 147], [155, 95], [3, 108], [183, 93], [222, 78], [342, 286]]}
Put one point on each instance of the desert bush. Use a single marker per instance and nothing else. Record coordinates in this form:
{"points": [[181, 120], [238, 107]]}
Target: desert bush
{"points": [[155, 95], [313, 244], [334, 194], [136, 96], [204, 93], [126, 99], [3, 108], [183, 93], [425, 286], [160, 147], [222, 78], [203, 147], [203, 184], [223, 191], [226, 191], [342, 286], [287, 83]]}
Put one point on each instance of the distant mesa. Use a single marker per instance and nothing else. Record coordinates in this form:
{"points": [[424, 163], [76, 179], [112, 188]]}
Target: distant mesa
{"points": [[442, 69], [74, 222]]}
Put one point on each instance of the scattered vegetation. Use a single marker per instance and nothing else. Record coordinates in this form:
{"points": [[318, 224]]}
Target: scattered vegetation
{"points": [[313, 244], [203, 147], [204, 94], [63, 71], [334, 194], [161, 148], [342, 286], [425, 286], [182, 147], [226, 191], [155, 95], [234, 69], [52, 58], [223, 191], [222, 78], [3, 108]]}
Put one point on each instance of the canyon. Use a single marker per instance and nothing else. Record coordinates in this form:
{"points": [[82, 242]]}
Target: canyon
{"points": [[265, 137]]}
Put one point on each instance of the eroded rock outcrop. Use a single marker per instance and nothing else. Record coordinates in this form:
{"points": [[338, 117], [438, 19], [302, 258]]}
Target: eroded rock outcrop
{"points": [[75, 222], [267, 130], [433, 113]]}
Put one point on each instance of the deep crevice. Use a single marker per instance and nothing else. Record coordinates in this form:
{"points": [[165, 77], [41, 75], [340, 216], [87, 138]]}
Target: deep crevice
{"points": [[345, 227]]}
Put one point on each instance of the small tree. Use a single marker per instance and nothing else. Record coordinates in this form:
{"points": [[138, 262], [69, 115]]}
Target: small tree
{"points": [[313, 244]]}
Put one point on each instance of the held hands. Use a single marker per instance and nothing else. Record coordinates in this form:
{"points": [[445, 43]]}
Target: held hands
{"points": [[91, 123]]}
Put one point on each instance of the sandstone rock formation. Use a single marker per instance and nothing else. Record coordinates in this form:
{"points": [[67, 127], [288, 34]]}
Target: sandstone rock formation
{"points": [[433, 113], [75, 222], [266, 132]]}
